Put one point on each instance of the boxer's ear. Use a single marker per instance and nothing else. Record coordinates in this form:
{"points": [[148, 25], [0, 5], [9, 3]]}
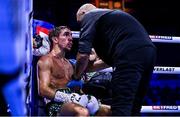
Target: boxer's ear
{"points": [[55, 39]]}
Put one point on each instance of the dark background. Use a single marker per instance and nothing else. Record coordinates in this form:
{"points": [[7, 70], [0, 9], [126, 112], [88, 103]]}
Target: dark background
{"points": [[159, 17]]}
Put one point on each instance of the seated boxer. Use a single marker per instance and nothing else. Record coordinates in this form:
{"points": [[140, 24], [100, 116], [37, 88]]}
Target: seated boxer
{"points": [[55, 72]]}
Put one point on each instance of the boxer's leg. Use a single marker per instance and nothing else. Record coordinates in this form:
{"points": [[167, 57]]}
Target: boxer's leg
{"points": [[72, 109], [104, 110]]}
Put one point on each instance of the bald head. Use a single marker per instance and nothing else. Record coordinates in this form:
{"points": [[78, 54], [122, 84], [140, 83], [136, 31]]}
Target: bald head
{"points": [[84, 9]]}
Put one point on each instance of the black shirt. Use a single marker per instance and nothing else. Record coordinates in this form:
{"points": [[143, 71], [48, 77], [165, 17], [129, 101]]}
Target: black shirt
{"points": [[111, 33]]}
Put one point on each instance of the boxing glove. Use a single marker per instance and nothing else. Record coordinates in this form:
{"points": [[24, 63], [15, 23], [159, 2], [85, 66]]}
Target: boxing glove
{"points": [[89, 102], [92, 105], [73, 97]]}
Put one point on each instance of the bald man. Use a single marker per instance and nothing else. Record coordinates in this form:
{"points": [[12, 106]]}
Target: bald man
{"points": [[123, 43]]}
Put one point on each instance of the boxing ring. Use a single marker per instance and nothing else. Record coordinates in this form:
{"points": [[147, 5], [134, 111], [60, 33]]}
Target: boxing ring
{"points": [[16, 76], [157, 70]]}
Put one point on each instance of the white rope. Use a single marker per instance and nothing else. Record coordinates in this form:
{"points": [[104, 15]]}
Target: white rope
{"points": [[154, 38], [165, 39], [157, 69], [160, 109], [75, 34], [166, 70]]}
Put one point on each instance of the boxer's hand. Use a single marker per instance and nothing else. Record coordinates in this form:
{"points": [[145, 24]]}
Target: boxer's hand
{"points": [[79, 99], [93, 105], [73, 97], [61, 96]]}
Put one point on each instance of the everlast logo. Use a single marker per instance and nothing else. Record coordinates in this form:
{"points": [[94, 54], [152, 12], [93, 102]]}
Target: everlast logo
{"points": [[169, 69]]}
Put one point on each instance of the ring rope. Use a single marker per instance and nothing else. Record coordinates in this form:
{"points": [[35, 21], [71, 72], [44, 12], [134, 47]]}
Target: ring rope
{"points": [[157, 69], [154, 38], [160, 109]]}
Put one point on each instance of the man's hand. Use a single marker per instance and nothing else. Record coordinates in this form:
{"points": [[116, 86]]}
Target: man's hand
{"points": [[93, 56], [81, 64]]}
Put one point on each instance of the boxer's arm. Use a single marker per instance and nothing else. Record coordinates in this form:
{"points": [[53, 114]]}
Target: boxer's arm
{"points": [[44, 73], [81, 64]]}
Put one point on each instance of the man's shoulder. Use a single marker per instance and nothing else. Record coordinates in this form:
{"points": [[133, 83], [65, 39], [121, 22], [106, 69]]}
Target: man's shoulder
{"points": [[94, 15], [46, 59], [98, 12]]}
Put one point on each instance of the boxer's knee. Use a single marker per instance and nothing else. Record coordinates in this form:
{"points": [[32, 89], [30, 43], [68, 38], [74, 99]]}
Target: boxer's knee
{"points": [[104, 110], [73, 109], [81, 111]]}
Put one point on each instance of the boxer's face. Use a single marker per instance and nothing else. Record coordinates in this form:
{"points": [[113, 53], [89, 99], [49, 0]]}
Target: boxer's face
{"points": [[65, 39]]}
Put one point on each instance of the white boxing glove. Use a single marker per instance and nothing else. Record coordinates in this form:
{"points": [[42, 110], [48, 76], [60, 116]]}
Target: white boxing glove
{"points": [[79, 99], [62, 97], [89, 102], [73, 97], [93, 105]]}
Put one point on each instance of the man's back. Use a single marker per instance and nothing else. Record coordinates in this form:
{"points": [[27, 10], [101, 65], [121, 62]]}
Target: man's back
{"points": [[111, 33], [118, 32]]}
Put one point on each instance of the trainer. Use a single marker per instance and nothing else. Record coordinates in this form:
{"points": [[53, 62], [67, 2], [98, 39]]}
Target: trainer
{"points": [[123, 43]]}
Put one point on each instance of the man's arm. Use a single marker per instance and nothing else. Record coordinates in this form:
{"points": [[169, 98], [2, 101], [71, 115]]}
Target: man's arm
{"points": [[96, 66], [95, 63], [44, 78], [81, 64]]}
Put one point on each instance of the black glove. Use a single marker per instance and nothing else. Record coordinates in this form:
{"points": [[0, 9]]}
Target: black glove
{"points": [[38, 41]]}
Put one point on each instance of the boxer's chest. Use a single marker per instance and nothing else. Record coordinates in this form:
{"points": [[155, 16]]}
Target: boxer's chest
{"points": [[62, 69]]}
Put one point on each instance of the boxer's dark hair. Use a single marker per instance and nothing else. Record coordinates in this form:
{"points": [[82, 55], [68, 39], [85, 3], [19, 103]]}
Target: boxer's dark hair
{"points": [[55, 33]]}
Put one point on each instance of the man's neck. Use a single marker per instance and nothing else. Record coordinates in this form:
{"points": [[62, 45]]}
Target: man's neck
{"points": [[57, 52]]}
